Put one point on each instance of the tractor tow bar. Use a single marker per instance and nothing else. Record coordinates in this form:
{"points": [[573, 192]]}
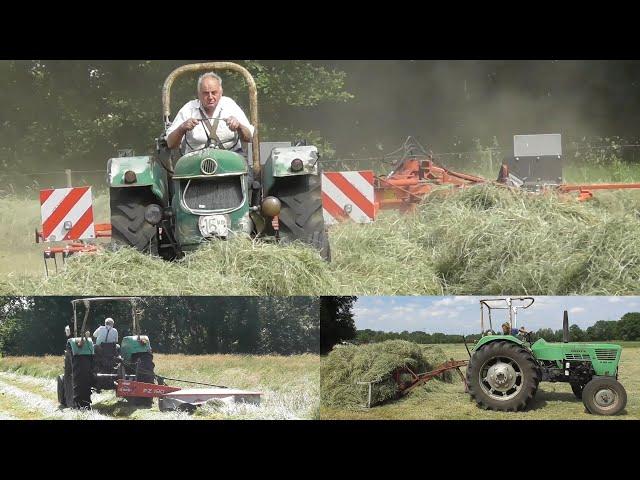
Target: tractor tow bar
{"points": [[417, 379], [406, 379]]}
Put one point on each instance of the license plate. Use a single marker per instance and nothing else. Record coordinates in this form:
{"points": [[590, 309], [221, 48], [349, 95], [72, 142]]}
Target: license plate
{"points": [[213, 225]]}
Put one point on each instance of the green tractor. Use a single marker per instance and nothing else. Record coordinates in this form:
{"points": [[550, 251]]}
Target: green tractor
{"points": [[89, 367], [168, 203], [505, 369]]}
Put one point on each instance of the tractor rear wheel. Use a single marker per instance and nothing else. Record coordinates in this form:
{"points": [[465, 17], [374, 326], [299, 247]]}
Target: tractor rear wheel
{"points": [[144, 370], [301, 213], [128, 225], [503, 376], [68, 378], [604, 396], [61, 398], [82, 381]]}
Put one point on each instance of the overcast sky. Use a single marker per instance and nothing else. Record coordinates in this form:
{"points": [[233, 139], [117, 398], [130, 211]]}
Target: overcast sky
{"points": [[461, 315]]}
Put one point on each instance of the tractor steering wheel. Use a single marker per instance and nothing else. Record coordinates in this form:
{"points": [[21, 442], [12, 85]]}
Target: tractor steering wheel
{"points": [[185, 142]]}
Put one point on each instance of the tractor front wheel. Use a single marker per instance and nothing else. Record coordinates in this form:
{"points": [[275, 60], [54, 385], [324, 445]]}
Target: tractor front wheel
{"points": [[604, 396], [502, 376], [128, 225], [301, 213]]}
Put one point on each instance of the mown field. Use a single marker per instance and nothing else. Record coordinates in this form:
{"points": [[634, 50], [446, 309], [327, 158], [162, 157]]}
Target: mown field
{"points": [[483, 240], [290, 387], [438, 400]]}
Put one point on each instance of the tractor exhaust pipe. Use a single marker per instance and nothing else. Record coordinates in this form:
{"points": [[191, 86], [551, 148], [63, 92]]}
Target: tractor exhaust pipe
{"points": [[565, 327]]}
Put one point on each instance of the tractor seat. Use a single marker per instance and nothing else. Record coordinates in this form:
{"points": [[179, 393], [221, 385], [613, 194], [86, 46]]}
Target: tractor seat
{"points": [[107, 349]]}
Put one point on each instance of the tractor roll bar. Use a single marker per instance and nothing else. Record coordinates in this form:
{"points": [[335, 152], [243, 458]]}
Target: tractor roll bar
{"points": [[508, 301], [87, 304], [253, 98]]}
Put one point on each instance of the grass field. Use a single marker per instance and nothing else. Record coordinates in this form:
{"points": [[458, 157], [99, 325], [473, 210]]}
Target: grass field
{"points": [[483, 240], [290, 387], [448, 401]]}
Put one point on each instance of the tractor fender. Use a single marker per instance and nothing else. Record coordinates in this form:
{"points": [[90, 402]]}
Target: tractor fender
{"points": [[81, 346], [282, 157], [495, 338], [134, 344], [147, 172]]}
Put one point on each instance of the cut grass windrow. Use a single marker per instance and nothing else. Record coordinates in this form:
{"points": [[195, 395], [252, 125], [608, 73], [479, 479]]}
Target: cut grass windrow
{"points": [[481, 240]]}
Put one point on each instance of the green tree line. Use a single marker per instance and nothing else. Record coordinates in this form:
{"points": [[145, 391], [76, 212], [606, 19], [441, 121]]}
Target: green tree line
{"points": [[189, 325], [627, 328]]}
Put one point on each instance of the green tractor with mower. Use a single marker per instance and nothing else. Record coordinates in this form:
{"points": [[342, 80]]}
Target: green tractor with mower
{"points": [[171, 202], [504, 370], [89, 367]]}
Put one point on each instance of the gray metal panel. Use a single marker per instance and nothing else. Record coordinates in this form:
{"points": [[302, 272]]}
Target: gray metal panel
{"points": [[545, 145], [265, 149]]}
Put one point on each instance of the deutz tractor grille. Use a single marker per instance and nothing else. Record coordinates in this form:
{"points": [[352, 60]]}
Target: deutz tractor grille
{"points": [[606, 354], [216, 193], [577, 356]]}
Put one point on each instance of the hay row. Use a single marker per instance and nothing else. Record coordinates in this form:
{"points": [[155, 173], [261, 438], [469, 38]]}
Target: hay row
{"points": [[483, 240]]}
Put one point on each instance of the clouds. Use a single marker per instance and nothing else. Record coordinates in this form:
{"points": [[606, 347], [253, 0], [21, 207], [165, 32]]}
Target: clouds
{"points": [[461, 314]]}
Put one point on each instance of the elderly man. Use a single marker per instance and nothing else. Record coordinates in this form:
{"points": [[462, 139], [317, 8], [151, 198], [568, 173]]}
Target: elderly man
{"points": [[210, 121], [106, 333]]}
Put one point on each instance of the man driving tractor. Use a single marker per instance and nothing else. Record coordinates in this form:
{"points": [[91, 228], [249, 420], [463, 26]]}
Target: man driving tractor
{"points": [[106, 333], [198, 123]]}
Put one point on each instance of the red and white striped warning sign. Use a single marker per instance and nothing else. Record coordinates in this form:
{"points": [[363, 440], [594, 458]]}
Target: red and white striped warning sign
{"points": [[348, 195], [67, 214]]}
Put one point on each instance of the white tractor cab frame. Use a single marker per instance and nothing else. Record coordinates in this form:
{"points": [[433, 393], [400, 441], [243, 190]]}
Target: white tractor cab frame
{"points": [[512, 304]]}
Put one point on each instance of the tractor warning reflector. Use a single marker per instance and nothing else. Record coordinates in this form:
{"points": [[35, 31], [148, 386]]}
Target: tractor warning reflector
{"points": [[67, 214], [348, 196]]}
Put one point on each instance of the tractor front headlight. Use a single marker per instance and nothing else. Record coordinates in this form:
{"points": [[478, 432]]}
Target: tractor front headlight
{"points": [[297, 165], [153, 214], [130, 176]]}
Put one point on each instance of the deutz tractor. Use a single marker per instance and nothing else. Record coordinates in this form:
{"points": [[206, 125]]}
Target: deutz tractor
{"points": [[505, 368], [89, 367], [173, 201]]}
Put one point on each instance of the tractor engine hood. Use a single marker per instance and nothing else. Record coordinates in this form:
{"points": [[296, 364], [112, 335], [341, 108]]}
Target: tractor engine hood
{"points": [[210, 162]]}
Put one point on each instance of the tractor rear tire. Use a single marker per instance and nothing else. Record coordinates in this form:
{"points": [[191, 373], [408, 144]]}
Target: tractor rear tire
{"points": [[604, 396], [144, 370], [61, 400], [301, 213], [128, 226], [577, 389], [68, 378], [82, 371], [503, 376]]}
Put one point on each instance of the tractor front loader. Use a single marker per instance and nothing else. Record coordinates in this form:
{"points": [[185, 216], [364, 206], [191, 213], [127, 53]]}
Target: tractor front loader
{"points": [[505, 369]]}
